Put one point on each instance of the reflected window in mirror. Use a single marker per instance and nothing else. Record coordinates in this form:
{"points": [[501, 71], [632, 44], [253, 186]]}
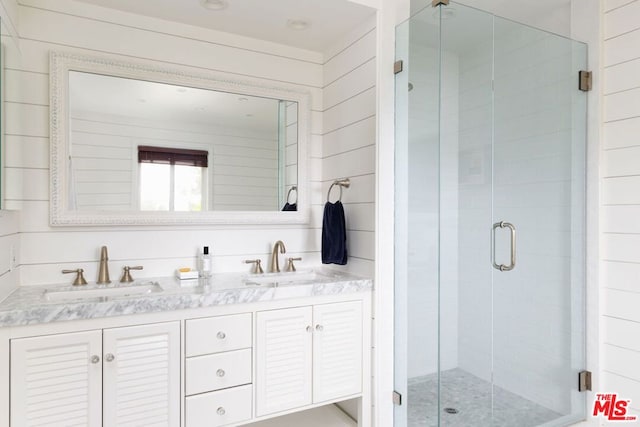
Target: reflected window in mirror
{"points": [[183, 172]]}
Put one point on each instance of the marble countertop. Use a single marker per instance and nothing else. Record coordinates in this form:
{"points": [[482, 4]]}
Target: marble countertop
{"points": [[29, 305]]}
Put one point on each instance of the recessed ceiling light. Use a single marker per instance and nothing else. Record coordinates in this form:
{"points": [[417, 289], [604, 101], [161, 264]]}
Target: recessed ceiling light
{"points": [[142, 100], [182, 89], [243, 99], [214, 4], [249, 115], [298, 24]]}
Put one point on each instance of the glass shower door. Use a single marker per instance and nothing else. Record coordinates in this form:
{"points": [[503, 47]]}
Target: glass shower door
{"points": [[417, 201], [466, 363], [538, 199], [489, 222]]}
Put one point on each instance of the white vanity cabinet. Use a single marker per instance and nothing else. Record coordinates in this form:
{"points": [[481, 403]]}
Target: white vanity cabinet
{"points": [[233, 364], [308, 355], [110, 377], [218, 370]]}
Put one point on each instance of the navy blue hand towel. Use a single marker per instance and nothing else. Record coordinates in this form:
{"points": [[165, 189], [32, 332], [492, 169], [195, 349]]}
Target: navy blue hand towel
{"points": [[290, 207], [334, 234]]}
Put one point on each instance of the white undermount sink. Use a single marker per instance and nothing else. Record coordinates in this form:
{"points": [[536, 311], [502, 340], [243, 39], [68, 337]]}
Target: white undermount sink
{"points": [[97, 291], [284, 278]]}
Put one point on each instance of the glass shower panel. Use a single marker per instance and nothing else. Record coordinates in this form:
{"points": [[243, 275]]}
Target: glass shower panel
{"points": [[490, 151], [538, 185], [466, 116], [417, 218]]}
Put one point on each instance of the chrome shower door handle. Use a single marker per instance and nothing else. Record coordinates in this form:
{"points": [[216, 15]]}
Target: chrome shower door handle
{"points": [[512, 232]]}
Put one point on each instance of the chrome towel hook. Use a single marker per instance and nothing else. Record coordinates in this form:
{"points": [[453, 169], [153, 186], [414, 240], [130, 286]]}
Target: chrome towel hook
{"points": [[346, 183]]}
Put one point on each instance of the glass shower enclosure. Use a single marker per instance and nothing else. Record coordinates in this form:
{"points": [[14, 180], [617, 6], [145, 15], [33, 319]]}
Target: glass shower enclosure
{"points": [[490, 222]]}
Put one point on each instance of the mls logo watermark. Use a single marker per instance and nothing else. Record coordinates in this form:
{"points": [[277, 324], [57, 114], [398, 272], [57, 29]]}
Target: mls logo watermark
{"points": [[612, 408]]}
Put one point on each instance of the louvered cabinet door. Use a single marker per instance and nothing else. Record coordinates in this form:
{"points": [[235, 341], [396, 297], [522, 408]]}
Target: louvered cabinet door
{"points": [[337, 350], [283, 355], [56, 380], [142, 375]]}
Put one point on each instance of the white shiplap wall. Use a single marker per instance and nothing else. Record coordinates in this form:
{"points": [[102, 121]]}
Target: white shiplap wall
{"points": [[620, 207], [76, 27], [243, 163], [349, 137], [9, 220], [9, 247]]}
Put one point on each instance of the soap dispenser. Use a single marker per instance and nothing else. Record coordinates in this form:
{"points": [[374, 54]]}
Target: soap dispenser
{"points": [[205, 262]]}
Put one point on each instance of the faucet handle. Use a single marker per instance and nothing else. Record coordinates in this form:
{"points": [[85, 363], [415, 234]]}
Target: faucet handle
{"points": [[79, 280], [126, 276], [290, 266], [257, 269]]}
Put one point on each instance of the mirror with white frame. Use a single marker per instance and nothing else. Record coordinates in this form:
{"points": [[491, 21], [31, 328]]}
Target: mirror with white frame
{"points": [[136, 144]]}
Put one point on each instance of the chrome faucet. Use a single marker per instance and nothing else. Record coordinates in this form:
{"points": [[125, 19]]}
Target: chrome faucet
{"points": [[103, 271], [275, 264]]}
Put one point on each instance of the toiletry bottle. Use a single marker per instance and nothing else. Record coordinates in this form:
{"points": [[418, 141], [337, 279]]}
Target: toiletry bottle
{"points": [[205, 263]]}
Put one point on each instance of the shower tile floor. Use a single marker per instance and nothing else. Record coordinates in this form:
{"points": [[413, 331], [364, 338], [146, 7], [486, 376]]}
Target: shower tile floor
{"points": [[471, 396]]}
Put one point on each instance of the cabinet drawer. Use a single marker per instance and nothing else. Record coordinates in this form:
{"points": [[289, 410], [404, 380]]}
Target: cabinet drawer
{"points": [[219, 408], [217, 371], [217, 334]]}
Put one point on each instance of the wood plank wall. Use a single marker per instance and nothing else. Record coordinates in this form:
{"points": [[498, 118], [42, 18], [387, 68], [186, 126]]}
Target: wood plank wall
{"points": [[620, 206], [342, 138], [75, 27]]}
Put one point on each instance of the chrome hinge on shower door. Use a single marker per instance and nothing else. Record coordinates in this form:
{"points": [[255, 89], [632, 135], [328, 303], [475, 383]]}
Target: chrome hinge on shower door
{"points": [[584, 381], [585, 80], [397, 66], [397, 398]]}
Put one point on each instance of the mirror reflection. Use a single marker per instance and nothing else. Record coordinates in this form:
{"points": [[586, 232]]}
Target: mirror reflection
{"points": [[148, 146]]}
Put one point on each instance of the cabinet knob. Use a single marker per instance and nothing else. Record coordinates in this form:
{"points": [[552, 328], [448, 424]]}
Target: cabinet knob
{"points": [[221, 335], [220, 372], [221, 411], [319, 328], [109, 357], [95, 359], [309, 329]]}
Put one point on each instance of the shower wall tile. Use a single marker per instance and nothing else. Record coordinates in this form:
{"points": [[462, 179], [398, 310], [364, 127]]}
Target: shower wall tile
{"points": [[433, 202], [620, 201], [528, 120]]}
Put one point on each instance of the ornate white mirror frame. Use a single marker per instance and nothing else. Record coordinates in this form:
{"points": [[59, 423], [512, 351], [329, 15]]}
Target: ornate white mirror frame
{"points": [[60, 214]]}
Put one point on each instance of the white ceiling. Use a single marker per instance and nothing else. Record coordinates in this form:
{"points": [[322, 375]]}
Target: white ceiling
{"points": [[261, 19]]}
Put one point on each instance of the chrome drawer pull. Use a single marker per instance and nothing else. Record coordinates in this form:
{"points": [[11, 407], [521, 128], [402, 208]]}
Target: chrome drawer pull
{"points": [[221, 411], [220, 372], [221, 335]]}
